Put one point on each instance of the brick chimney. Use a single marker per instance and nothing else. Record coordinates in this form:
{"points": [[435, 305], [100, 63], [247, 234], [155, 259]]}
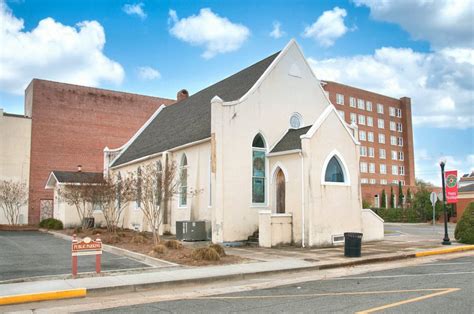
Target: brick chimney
{"points": [[182, 94]]}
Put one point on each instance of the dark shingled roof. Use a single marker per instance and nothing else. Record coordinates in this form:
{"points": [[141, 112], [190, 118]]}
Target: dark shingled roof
{"points": [[291, 140], [190, 119], [78, 177], [467, 188]]}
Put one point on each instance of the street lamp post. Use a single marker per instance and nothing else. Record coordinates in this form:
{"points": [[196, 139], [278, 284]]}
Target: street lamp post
{"points": [[446, 240]]}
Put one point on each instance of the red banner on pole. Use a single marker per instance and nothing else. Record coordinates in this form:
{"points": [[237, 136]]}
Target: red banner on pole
{"points": [[451, 180]]}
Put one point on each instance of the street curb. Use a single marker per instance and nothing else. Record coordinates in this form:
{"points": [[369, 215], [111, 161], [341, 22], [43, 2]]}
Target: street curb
{"points": [[240, 276], [43, 296], [446, 251]]}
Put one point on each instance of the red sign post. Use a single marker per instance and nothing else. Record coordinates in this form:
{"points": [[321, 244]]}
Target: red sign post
{"points": [[86, 247], [451, 179]]}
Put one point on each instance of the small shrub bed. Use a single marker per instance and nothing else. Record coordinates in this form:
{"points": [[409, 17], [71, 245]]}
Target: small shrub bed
{"points": [[219, 249], [206, 254], [51, 223], [464, 231], [159, 249], [398, 214], [173, 244]]}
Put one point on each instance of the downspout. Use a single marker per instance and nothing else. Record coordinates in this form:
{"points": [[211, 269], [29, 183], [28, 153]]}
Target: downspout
{"points": [[302, 201]]}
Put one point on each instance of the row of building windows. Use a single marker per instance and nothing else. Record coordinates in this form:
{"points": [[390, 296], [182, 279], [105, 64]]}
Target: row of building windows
{"points": [[370, 168], [367, 105], [370, 152], [369, 137], [369, 121], [382, 181]]}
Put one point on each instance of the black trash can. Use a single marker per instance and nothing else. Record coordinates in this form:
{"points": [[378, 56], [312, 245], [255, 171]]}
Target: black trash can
{"points": [[89, 222], [352, 244]]}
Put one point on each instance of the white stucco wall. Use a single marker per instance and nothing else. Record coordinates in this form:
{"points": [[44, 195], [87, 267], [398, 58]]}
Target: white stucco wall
{"points": [[372, 226], [332, 209], [266, 110], [197, 208], [15, 143], [68, 214]]}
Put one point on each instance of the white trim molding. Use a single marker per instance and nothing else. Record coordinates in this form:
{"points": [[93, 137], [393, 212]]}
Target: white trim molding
{"points": [[277, 166], [270, 68], [324, 115], [345, 169], [124, 147], [285, 152]]}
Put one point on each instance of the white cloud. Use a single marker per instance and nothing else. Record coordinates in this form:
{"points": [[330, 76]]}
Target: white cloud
{"points": [[440, 85], [427, 165], [276, 31], [328, 27], [148, 73], [53, 51], [442, 22], [470, 162], [217, 34], [135, 9]]}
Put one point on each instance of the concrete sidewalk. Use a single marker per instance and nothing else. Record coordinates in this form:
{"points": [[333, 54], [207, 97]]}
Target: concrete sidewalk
{"points": [[42, 290]]}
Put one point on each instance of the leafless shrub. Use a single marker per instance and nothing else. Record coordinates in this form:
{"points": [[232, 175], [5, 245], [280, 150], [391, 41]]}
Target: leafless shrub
{"points": [[13, 195]]}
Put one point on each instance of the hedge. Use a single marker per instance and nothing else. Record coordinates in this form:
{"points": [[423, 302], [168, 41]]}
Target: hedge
{"points": [[398, 214], [464, 231], [51, 223]]}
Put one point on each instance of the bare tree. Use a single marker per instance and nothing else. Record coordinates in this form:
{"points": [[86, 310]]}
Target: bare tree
{"points": [[113, 198], [156, 186], [81, 196], [13, 195]]}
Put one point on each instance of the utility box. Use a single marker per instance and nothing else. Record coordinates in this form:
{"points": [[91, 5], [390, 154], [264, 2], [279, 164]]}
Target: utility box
{"points": [[193, 230]]}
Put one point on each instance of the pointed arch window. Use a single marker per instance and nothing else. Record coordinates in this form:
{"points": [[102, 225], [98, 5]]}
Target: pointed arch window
{"points": [[138, 200], [159, 182], [258, 169], [183, 181], [334, 172]]}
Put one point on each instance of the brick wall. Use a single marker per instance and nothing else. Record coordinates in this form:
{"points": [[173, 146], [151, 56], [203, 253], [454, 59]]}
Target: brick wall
{"points": [[71, 125]]}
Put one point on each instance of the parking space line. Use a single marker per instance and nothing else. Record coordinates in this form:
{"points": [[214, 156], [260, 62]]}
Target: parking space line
{"points": [[442, 264], [322, 294], [403, 275], [432, 295]]}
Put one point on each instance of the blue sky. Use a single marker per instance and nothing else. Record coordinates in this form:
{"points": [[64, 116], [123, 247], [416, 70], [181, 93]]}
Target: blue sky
{"points": [[419, 49]]}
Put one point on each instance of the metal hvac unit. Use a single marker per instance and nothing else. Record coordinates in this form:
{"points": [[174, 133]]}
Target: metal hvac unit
{"points": [[193, 230]]}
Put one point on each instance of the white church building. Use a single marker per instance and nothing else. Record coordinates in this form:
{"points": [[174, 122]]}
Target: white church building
{"points": [[267, 150]]}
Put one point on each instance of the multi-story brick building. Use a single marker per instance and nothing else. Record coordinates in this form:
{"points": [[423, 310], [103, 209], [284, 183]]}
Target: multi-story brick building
{"points": [[71, 125], [386, 137]]}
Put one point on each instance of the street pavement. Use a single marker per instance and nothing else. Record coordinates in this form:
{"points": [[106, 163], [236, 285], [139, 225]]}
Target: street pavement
{"points": [[445, 286], [31, 253], [419, 230]]}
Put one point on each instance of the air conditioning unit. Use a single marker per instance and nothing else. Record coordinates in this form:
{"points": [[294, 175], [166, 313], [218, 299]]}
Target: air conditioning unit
{"points": [[193, 230]]}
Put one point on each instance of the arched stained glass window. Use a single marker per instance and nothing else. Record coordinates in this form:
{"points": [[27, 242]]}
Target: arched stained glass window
{"points": [[183, 181], [334, 172], [258, 141], [258, 169]]}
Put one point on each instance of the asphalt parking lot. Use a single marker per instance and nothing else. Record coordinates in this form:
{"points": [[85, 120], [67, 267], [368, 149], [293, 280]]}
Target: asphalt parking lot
{"points": [[444, 286], [31, 253]]}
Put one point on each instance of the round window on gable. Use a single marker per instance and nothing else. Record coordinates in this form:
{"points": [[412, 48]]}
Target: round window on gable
{"points": [[296, 121]]}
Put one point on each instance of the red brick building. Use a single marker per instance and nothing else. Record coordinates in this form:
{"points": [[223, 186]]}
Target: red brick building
{"points": [[71, 125], [386, 137]]}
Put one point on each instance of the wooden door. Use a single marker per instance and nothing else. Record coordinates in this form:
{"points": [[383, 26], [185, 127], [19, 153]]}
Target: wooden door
{"points": [[280, 191]]}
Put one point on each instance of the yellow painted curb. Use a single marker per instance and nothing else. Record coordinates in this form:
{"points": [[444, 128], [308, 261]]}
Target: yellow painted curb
{"points": [[446, 251], [43, 296]]}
